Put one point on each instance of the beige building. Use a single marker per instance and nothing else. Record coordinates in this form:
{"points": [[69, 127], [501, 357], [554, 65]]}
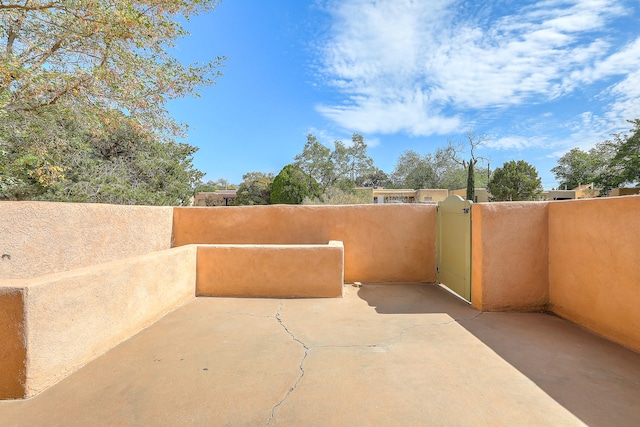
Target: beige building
{"points": [[558, 195], [586, 191], [215, 198], [383, 195], [482, 194], [624, 192]]}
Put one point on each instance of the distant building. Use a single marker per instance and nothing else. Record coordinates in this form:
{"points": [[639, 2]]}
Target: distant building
{"points": [[215, 198], [482, 194], [615, 192], [586, 191], [558, 195], [390, 195]]}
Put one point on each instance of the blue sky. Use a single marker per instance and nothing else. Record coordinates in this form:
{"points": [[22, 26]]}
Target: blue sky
{"points": [[537, 77]]}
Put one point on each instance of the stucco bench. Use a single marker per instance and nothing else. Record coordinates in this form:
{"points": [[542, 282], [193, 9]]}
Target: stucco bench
{"points": [[272, 271], [51, 325]]}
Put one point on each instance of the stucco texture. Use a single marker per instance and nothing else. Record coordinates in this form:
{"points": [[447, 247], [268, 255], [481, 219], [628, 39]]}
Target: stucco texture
{"points": [[70, 318], [273, 271], [39, 238], [594, 265], [13, 351], [382, 243], [510, 256]]}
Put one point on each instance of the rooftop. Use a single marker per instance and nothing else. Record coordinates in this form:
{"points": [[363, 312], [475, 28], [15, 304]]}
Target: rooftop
{"points": [[401, 354]]}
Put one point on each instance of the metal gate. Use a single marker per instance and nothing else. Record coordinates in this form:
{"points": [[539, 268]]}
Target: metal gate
{"points": [[453, 245]]}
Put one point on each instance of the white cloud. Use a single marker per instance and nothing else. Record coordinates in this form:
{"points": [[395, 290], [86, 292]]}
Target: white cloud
{"points": [[514, 142], [420, 66]]}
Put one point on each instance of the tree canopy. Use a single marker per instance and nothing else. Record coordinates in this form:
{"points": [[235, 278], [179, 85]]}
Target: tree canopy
{"points": [[624, 166], [515, 181], [441, 169], [255, 189], [102, 55], [344, 166], [292, 185], [315, 160], [610, 164], [578, 167], [75, 72], [120, 167]]}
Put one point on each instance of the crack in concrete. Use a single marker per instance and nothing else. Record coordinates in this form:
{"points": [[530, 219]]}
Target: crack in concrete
{"points": [[384, 343], [300, 366]]}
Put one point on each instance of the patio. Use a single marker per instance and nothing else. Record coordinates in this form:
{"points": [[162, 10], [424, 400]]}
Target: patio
{"points": [[401, 354]]}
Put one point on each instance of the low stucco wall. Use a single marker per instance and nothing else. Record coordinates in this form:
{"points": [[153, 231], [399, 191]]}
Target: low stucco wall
{"points": [[59, 322], [510, 256], [39, 238], [273, 271], [594, 265], [382, 243]]}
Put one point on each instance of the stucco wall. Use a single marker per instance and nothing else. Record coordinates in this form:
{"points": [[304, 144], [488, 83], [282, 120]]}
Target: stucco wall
{"points": [[42, 237], [13, 350], [273, 271], [510, 256], [382, 243], [594, 265], [70, 318]]}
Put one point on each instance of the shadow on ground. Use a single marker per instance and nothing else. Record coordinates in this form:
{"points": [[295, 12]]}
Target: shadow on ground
{"points": [[595, 379]]}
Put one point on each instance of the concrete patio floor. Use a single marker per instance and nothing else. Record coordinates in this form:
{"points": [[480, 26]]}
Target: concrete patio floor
{"points": [[383, 355]]}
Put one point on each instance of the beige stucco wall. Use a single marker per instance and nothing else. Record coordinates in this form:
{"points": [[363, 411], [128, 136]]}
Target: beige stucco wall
{"points": [[510, 256], [617, 192], [382, 243], [73, 317], [13, 350], [273, 271], [431, 195], [482, 195], [594, 265], [43, 237]]}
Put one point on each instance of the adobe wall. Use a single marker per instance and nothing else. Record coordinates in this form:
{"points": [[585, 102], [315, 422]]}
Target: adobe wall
{"points": [[594, 265], [43, 237], [509, 256], [13, 350], [271, 271], [70, 318], [382, 243]]}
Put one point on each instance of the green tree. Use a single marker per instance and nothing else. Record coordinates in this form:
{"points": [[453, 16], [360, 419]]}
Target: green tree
{"points": [[359, 163], [578, 167], [623, 167], [352, 161], [441, 169], [374, 179], [315, 160], [82, 64], [292, 185], [413, 171], [210, 185], [343, 167], [255, 189], [101, 55], [469, 165], [29, 165], [125, 167], [337, 196], [515, 181]]}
